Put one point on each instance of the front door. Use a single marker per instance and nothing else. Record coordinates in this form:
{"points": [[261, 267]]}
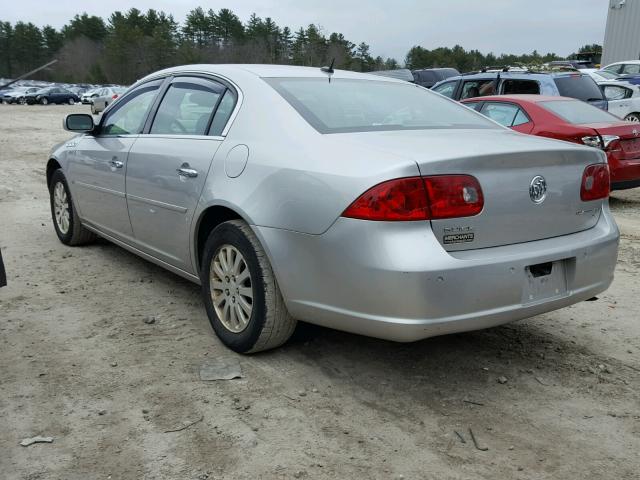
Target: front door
{"points": [[98, 166], [168, 166]]}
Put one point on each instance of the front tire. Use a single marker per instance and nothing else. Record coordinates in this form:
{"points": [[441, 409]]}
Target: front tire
{"points": [[65, 219], [243, 301], [72, 101], [44, 101], [633, 117]]}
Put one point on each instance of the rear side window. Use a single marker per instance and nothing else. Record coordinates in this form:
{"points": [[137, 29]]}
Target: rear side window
{"points": [[581, 87], [446, 89], [631, 69], [186, 109], [346, 105], [578, 112], [520, 87], [506, 114], [223, 113]]}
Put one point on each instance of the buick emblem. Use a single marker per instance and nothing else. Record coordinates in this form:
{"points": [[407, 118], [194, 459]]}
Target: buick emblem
{"points": [[538, 189], [635, 132]]}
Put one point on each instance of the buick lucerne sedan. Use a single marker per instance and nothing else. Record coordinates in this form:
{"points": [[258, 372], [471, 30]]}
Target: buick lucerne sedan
{"points": [[356, 202]]}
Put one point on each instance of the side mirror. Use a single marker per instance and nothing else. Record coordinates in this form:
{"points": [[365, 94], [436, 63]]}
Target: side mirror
{"points": [[78, 122]]}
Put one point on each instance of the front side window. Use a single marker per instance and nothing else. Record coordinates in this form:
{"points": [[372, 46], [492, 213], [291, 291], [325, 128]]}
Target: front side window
{"points": [[129, 114], [349, 105], [478, 88], [578, 113], [613, 68], [186, 109], [446, 89]]}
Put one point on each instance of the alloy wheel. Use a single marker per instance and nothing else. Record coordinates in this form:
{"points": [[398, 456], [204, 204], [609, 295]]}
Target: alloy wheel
{"points": [[61, 207], [632, 118], [231, 288]]}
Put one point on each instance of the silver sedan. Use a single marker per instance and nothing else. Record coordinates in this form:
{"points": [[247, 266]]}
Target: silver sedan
{"points": [[355, 202]]}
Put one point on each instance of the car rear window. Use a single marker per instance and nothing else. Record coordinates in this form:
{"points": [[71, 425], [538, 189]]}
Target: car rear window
{"points": [[350, 105], [581, 87], [578, 113]]}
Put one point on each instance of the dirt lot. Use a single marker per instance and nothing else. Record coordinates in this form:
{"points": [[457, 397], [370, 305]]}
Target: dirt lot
{"points": [[78, 363]]}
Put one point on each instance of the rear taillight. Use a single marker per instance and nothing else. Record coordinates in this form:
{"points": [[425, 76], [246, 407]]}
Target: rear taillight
{"points": [[115, 96], [452, 196], [396, 200], [598, 141], [595, 182], [419, 198]]}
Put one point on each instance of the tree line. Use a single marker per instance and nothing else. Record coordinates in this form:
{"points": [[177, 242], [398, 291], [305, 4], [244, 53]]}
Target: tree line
{"points": [[129, 45]]}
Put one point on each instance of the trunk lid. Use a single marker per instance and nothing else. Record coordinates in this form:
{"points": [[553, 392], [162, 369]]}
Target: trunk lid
{"points": [[629, 133], [505, 163]]}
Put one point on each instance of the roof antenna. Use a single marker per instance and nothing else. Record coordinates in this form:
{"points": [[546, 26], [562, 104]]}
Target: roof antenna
{"points": [[329, 69]]}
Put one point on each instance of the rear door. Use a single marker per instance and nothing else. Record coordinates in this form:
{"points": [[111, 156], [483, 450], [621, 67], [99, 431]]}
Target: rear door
{"points": [[169, 163], [619, 99], [99, 162]]}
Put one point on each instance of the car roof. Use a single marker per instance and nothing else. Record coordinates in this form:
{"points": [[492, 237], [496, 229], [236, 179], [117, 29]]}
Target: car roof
{"points": [[270, 71], [633, 62], [518, 98]]}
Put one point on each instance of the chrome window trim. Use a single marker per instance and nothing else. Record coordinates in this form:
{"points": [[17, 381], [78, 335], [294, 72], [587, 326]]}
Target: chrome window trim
{"points": [[213, 76]]}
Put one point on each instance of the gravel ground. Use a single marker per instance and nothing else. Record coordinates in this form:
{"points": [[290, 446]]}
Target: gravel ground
{"points": [[552, 397]]}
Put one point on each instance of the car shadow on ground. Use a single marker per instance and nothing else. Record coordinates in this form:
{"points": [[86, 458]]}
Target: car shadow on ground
{"points": [[435, 369]]}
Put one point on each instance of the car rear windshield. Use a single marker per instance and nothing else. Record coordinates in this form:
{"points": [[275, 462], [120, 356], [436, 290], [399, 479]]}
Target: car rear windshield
{"points": [[581, 87], [346, 105], [578, 113]]}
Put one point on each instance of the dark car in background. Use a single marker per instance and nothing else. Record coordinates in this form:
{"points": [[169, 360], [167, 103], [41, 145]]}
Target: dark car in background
{"points": [[428, 77], [48, 95], [572, 84]]}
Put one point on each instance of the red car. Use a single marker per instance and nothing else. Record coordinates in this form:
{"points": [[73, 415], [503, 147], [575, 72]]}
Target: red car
{"points": [[571, 120]]}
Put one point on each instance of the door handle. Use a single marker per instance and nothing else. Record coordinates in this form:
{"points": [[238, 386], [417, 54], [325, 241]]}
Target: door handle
{"points": [[186, 171], [114, 163]]}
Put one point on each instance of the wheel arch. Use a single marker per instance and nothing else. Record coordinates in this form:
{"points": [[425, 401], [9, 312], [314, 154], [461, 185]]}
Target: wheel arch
{"points": [[52, 166], [210, 218]]}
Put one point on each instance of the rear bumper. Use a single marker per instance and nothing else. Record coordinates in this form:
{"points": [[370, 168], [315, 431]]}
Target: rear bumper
{"points": [[395, 281], [624, 173]]}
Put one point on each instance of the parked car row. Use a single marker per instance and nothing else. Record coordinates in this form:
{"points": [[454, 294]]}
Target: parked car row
{"points": [[44, 94]]}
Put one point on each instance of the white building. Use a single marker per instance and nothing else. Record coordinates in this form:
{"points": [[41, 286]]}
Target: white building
{"points": [[622, 37]]}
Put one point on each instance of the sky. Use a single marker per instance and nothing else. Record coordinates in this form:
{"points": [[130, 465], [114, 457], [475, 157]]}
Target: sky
{"points": [[390, 27]]}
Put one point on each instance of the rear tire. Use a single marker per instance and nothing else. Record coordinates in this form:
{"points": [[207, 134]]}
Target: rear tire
{"points": [[72, 101], [633, 117], [63, 213], [260, 320]]}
